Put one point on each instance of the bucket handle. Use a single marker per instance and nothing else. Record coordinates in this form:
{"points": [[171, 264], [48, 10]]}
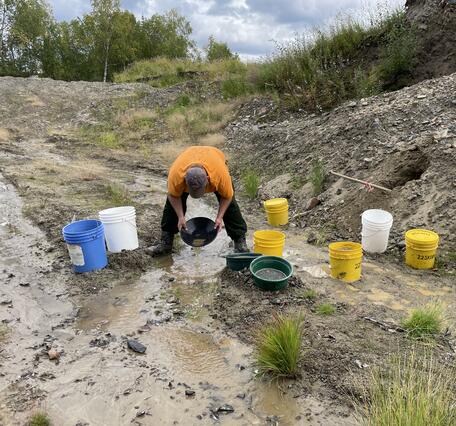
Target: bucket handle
{"points": [[373, 234]]}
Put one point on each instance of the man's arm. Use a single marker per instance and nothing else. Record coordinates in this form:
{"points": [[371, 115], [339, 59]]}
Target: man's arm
{"points": [[176, 202], [223, 206]]}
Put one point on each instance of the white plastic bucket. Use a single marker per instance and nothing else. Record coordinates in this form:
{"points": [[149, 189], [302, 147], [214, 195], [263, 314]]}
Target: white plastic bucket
{"points": [[375, 231], [120, 228]]}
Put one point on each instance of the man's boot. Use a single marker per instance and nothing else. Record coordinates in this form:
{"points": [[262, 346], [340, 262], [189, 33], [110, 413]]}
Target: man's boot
{"points": [[240, 245], [164, 246]]}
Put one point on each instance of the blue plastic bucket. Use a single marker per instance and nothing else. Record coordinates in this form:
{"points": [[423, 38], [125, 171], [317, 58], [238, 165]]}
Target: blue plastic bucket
{"points": [[86, 246]]}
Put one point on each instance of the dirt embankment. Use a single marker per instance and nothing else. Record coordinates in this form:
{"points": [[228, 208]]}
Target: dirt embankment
{"points": [[404, 140], [435, 23]]}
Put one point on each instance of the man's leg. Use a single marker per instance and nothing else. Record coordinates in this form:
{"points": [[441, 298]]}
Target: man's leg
{"points": [[169, 218], [169, 228], [235, 225]]}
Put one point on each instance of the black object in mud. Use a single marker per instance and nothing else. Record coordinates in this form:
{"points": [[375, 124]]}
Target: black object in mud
{"points": [[200, 232]]}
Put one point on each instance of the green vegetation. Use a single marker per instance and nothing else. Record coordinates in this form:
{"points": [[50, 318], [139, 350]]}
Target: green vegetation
{"points": [[413, 391], [446, 262], [190, 123], [39, 419], [216, 51], [251, 182], [424, 323], [108, 140], [347, 61], [235, 88], [117, 195], [91, 47], [279, 346], [325, 309], [163, 72], [310, 294], [317, 177]]}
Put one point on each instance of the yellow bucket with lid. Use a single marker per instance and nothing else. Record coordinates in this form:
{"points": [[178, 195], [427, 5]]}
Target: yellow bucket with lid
{"points": [[277, 211], [270, 243], [345, 259], [420, 248]]}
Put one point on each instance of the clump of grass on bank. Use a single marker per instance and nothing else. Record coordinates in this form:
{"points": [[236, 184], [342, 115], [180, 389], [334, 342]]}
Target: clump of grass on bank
{"points": [[325, 309], [278, 346], [310, 294], [317, 177], [236, 87], [188, 124], [251, 181], [117, 195], [424, 323], [39, 419], [413, 391], [136, 119]]}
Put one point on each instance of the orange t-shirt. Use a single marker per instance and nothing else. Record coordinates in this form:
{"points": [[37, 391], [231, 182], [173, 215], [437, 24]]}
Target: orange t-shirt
{"points": [[213, 161]]}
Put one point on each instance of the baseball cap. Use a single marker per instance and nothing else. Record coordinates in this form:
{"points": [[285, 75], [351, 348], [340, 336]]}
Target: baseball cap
{"points": [[196, 179]]}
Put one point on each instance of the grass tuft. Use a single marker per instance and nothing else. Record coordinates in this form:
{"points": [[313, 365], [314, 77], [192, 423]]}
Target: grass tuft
{"points": [[279, 346], [117, 195], [413, 391], [424, 323], [310, 294], [108, 140], [317, 177], [191, 122], [325, 309], [39, 419], [251, 182]]}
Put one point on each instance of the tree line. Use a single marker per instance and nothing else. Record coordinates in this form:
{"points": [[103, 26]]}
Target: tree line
{"points": [[92, 47]]}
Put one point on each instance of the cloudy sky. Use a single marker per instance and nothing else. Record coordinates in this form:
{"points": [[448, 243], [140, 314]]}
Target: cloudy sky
{"points": [[250, 27]]}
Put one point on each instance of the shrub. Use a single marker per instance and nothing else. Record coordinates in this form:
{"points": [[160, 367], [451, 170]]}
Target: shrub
{"points": [[398, 55], [278, 346], [317, 177], [235, 87], [39, 419], [329, 67], [325, 309], [413, 391], [424, 323], [251, 182]]}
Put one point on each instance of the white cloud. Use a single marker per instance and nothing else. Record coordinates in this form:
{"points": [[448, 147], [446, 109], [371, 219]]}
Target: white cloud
{"points": [[250, 27]]}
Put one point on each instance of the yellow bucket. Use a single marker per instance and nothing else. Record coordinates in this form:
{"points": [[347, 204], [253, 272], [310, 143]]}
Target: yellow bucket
{"points": [[277, 211], [420, 248], [345, 259], [270, 243]]}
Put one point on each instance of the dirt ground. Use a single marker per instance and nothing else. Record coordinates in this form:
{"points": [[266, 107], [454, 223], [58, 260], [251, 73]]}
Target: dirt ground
{"points": [[197, 319]]}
